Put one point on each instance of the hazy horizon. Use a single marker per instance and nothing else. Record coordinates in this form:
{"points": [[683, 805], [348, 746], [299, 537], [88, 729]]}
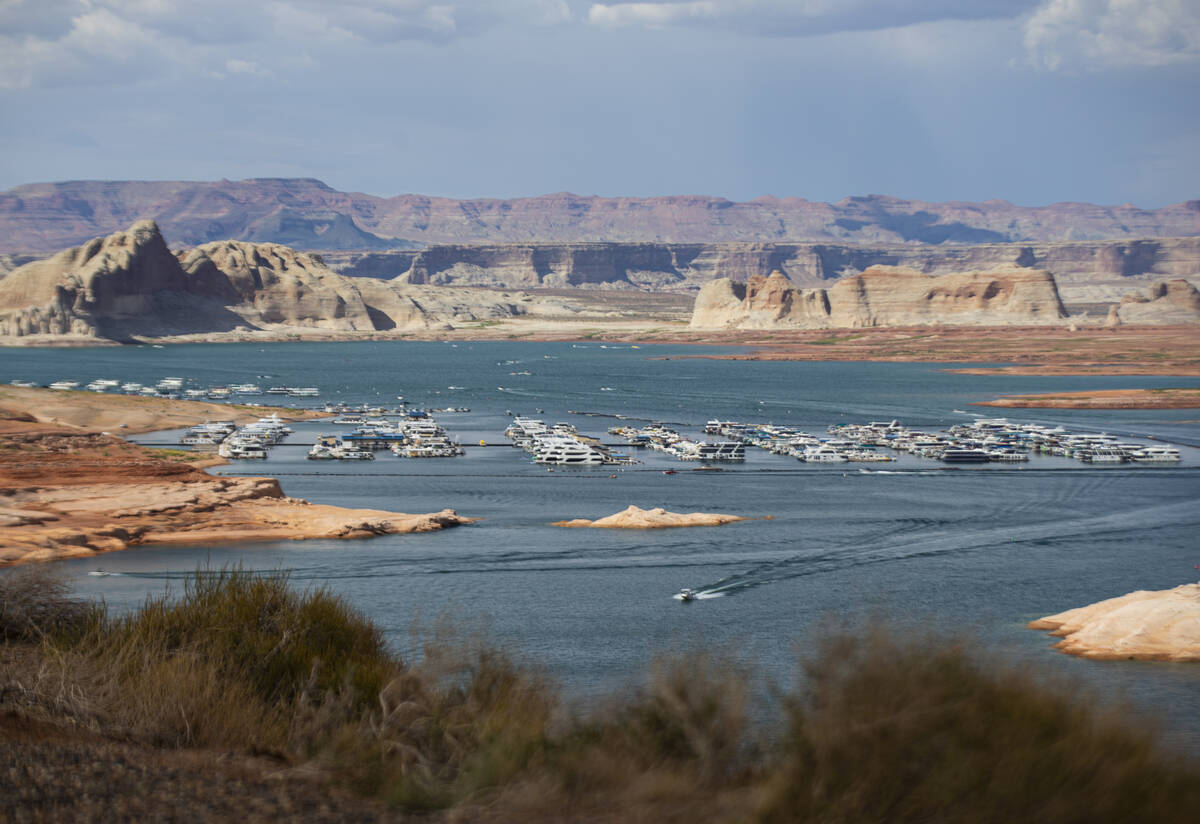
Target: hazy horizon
{"points": [[1030, 101]]}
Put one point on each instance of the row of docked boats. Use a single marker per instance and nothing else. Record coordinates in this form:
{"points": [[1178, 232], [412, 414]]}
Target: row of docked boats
{"points": [[417, 435], [999, 440], [174, 388], [227, 439], [795, 443], [661, 438], [560, 444]]}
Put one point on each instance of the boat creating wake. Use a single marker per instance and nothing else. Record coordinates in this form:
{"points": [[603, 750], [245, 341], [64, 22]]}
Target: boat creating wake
{"points": [[923, 545], [779, 558]]}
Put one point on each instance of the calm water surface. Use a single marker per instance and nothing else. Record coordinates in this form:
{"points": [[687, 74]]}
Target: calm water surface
{"points": [[970, 551]]}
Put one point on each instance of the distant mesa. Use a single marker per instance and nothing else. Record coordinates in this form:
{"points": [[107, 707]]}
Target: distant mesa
{"points": [[634, 517], [306, 213], [883, 296]]}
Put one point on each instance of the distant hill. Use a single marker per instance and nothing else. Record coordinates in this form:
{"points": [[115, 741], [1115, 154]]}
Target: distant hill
{"points": [[307, 214]]}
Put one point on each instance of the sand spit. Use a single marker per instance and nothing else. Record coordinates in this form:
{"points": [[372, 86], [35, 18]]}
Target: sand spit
{"points": [[66, 493], [1103, 399], [1161, 625], [102, 411], [635, 518]]}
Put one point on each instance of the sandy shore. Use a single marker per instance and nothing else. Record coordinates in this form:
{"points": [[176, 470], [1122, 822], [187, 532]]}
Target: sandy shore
{"points": [[1162, 625], [1163, 350], [1103, 399], [130, 414], [636, 518], [69, 492]]}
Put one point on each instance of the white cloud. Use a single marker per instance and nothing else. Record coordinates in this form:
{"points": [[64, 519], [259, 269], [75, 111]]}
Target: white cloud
{"points": [[57, 42], [1098, 34], [799, 17]]}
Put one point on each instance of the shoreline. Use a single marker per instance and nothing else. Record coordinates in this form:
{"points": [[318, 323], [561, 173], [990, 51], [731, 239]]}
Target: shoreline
{"points": [[1101, 399], [1015, 350], [68, 490]]}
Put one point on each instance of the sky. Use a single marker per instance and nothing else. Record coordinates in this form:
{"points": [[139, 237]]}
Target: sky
{"points": [[1031, 101]]}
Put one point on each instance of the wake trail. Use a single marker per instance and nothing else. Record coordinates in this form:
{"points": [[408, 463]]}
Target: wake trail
{"points": [[1176, 514]]}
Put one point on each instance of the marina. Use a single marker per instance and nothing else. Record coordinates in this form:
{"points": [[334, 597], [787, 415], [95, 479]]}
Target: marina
{"points": [[960, 548]]}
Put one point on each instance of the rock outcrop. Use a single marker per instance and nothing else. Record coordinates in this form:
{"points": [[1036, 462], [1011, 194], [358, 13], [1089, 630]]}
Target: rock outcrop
{"points": [[1162, 625], [43, 217], [883, 296], [130, 284], [634, 517], [1167, 302]]}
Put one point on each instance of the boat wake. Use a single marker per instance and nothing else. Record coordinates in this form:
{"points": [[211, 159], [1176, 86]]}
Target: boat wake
{"points": [[963, 540]]}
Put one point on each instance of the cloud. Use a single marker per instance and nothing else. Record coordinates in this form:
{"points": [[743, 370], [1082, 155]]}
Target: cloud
{"points": [[796, 18], [58, 42], [1099, 34]]}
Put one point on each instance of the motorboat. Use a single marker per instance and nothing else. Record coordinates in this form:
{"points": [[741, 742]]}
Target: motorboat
{"points": [[965, 456], [1156, 454], [566, 452], [686, 595], [822, 454]]}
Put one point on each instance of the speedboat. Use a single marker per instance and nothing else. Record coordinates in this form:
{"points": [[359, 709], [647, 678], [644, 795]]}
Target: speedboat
{"points": [[686, 595]]}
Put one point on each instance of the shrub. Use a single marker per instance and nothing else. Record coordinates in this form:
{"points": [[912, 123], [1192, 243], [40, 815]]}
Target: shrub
{"points": [[35, 603], [890, 730]]}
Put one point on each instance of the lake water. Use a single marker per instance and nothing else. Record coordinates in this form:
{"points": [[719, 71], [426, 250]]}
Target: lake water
{"points": [[970, 551]]}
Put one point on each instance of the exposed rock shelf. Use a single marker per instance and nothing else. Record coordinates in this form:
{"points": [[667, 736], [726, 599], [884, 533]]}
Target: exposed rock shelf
{"points": [[66, 493], [1161, 625], [634, 517]]}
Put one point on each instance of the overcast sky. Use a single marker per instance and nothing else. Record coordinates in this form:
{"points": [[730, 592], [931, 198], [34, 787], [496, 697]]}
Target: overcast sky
{"points": [[1033, 101]]}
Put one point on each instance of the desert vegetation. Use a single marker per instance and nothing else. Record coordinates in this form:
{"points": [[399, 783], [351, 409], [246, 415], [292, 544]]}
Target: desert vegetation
{"points": [[299, 685]]}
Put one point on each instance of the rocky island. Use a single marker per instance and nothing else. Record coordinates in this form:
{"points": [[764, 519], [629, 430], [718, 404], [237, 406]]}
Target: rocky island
{"points": [[634, 517], [1162, 625]]}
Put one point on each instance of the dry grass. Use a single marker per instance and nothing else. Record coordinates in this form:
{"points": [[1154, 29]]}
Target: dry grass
{"points": [[882, 730]]}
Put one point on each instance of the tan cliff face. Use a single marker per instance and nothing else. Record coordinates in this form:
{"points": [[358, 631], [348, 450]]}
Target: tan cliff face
{"points": [[1166, 303], [1086, 271], [130, 284], [882, 296]]}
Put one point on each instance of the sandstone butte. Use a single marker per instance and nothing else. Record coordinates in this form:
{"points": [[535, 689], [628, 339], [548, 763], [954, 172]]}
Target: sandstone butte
{"points": [[891, 296], [1162, 625], [634, 517], [67, 492]]}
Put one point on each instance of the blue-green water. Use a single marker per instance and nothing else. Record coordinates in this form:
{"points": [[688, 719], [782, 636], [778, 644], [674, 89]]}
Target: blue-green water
{"points": [[974, 551]]}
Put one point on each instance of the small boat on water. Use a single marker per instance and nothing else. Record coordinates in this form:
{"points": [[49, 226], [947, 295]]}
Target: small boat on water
{"points": [[686, 595]]}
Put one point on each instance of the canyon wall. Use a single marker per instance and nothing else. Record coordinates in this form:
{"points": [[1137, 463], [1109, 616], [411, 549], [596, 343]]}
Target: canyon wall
{"points": [[307, 214], [882, 296], [685, 267]]}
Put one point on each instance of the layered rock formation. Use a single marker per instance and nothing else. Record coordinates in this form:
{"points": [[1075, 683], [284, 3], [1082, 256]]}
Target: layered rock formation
{"points": [[634, 517], [1167, 302], [882, 296], [1161, 625], [43, 217], [130, 284], [688, 266]]}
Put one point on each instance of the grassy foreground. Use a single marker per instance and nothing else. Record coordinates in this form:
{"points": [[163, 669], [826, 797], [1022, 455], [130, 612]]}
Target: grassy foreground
{"points": [[884, 729]]}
